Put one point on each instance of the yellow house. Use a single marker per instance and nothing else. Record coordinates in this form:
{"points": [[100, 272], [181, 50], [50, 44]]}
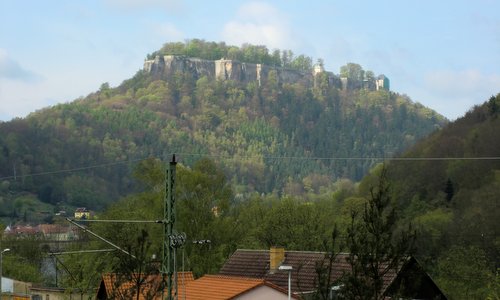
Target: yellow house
{"points": [[82, 213]]}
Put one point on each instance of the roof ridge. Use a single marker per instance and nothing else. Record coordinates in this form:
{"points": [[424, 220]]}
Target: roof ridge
{"points": [[294, 251], [234, 277]]}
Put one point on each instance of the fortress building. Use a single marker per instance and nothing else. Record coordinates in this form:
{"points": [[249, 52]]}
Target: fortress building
{"points": [[227, 69]]}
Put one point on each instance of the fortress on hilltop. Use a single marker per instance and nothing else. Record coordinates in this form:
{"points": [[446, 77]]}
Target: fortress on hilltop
{"points": [[226, 69]]}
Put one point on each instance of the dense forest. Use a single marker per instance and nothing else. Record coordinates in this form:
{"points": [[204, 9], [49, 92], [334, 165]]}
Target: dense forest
{"points": [[446, 186], [280, 139]]}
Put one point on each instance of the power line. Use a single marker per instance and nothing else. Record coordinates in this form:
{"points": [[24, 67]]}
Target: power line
{"points": [[81, 251], [119, 221], [374, 158], [378, 158], [73, 169]]}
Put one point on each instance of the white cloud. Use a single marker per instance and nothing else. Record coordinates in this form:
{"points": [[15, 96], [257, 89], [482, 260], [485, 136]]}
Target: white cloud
{"points": [[454, 93], [461, 83], [11, 69], [260, 23]]}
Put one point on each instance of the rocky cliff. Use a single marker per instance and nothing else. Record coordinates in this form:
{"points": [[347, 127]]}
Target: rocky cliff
{"points": [[225, 69]]}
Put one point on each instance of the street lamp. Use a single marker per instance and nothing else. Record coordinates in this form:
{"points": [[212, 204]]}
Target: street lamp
{"points": [[289, 269], [1, 256]]}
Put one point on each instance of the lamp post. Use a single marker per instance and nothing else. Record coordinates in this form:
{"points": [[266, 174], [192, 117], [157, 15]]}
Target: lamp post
{"points": [[1, 258], [289, 269]]}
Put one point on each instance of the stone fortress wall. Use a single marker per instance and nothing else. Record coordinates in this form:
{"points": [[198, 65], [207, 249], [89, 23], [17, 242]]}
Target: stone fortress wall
{"points": [[226, 69]]}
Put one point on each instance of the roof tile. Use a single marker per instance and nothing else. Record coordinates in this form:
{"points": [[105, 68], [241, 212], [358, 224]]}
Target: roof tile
{"points": [[255, 264]]}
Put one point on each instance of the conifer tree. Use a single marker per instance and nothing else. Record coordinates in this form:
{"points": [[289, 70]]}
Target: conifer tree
{"points": [[374, 245]]}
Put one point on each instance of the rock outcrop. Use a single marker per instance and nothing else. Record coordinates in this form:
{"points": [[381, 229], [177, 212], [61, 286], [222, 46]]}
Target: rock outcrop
{"points": [[226, 69]]}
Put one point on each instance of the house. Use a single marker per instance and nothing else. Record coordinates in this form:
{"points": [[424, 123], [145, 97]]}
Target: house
{"points": [[382, 83], [115, 286], [14, 289], [82, 213], [264, 264], [208, 287], [53, 232], [55, 293], [21, 230], [56, 232], [218, 287]]}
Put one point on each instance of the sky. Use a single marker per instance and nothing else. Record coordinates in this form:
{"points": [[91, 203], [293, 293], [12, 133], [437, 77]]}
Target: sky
{"points": [[444, 54]]}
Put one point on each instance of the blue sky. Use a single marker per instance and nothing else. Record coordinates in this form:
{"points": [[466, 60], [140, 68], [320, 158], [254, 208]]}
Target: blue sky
{"points": [[444, 54]]}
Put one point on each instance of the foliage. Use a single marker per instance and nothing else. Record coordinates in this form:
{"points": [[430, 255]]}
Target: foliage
{"points": [[81, 273], [256, 54], [24, 260], [353, 71], [453, 200], [215, 224], [374, 245], [466, 264], [298, 215], [136, 267], [324, 269], [17, 267], [255, 128]]}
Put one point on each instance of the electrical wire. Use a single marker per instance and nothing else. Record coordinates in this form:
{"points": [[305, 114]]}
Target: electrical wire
{"points": [[374, 158], [72, 169]]}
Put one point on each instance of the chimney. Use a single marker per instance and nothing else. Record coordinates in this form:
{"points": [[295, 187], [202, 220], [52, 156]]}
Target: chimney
{"points": [[276, 257]]}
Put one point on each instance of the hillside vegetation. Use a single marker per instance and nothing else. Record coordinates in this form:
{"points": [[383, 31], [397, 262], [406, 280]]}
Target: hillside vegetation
{"points": [[455, 213], [454, 200], [286, 139], [452, 203]]}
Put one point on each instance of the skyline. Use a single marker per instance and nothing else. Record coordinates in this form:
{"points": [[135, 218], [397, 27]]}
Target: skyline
{"points": [[444, 55]]}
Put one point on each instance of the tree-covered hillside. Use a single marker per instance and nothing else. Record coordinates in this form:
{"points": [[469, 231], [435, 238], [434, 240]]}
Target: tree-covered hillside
{"points": [[448, 185], [455, 220], [274, 138]]}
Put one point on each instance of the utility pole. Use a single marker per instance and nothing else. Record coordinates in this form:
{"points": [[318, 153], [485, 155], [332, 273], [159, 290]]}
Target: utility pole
{"points": [[171, 240]]}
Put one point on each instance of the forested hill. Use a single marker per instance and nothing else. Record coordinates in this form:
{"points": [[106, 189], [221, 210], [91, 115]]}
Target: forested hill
{"points": [[290, 138], [448, 185]]}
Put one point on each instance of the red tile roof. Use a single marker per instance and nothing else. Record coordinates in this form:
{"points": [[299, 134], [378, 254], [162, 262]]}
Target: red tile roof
{"points": [[255, 264], [22, 230], [218, 287], [54, 229], [115, 286], [208, 287]]}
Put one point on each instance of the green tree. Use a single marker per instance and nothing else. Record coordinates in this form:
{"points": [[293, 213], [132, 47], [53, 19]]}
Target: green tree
{"points": [[324, 269], [302, 62], [369, 75], [25, 259], [139, 269], [494, 104], [375, 246], [464, 273], [449, 190], [352, 71], [203, 208], [81, 272]]}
